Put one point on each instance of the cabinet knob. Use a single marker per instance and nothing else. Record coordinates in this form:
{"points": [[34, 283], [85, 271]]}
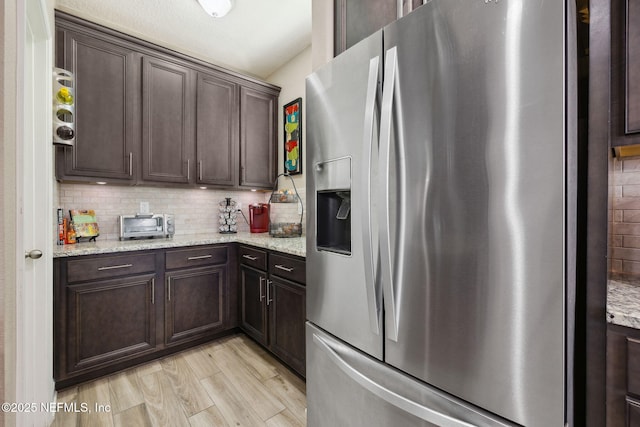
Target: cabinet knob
{"points": [[33, 254]]}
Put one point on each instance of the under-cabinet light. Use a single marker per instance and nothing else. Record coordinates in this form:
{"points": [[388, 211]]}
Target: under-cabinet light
{"points": [[626, 151]]}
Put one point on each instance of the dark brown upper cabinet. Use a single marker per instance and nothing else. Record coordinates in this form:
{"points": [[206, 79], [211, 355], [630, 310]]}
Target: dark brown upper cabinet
{"points": [[217, 131], [168, 103], [106, 81], [625, 72], [355, 20], [148, 115], [258, 149]]}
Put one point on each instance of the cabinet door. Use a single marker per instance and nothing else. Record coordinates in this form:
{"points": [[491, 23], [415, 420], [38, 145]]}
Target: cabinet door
{"points": [[253, 310], [107, 321], [625, 72], [106, 87], [623, 369], [355, 20], [287, 314], [633, 413], [217, 131], [168, 103], [258, 126], [195, 303]]}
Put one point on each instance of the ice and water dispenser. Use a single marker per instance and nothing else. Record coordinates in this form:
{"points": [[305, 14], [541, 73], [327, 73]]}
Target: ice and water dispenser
{"points": [[333, 205]]}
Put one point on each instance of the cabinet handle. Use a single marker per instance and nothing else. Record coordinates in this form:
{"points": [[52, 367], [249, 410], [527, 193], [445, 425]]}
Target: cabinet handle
{"points": [[269, 300], [130, 164], [249, 257], [192, 258], [169, 288], [261, 292], [282, 267], [153, 291], [114, 267], [200, 170]]}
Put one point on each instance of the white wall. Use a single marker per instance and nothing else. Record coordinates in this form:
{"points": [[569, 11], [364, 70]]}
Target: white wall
{"points": [[10, 32], [8, 200], [291, 78], [322, 32]]}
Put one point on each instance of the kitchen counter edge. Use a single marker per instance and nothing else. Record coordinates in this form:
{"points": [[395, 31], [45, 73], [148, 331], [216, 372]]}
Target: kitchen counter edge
{"points": [[623, 304], [292, 246]]}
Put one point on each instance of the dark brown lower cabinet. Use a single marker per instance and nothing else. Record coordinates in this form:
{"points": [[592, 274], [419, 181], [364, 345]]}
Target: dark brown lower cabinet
{"points": [[633, 412], [109, 320], [623, 376], [272, 305], [195, 303], [287, 313], [253, 310], [112, 311]]}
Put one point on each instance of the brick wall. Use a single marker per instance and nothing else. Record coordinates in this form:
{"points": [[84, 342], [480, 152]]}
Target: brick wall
{"points": [[624, 218]]}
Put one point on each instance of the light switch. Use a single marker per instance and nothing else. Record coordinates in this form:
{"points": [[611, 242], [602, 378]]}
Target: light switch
{"points": [[144, 207]]}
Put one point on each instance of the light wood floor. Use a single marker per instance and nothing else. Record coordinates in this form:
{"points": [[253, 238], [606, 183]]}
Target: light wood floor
{"points": [[230, 382]]}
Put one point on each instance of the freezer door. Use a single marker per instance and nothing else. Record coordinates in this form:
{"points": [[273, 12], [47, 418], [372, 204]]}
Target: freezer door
{"points": [[347, 388], [472, 212], [343, 296]]}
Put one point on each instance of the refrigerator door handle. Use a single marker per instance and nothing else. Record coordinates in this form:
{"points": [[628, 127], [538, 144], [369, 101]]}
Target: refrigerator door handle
{"points": [[407, 405], [367, 234], [386, 115]]}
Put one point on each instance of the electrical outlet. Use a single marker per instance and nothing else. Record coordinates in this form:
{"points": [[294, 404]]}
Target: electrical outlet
{"points": [[299, 209], [144, 207], [239, 206]]}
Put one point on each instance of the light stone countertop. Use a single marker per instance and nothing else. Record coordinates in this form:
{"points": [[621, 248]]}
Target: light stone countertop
{"points": [[291, 245], [623, 304]]}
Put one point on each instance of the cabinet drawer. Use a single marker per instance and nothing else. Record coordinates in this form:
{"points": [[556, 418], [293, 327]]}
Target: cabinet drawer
{"points": [[194, 257], [253, 257], [109, 266], [287, 267], [633, 366]]}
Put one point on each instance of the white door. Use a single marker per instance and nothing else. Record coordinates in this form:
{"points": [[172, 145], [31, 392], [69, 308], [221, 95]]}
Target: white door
{"points": [[34, 346]]}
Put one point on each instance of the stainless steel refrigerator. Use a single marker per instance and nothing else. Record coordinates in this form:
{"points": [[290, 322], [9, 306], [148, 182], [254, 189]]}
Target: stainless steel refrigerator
{"points": [[441, 235]]}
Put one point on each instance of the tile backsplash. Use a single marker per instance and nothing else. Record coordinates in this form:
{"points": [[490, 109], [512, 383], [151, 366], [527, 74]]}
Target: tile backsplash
{"points": [[195, 210], [624, 218]]}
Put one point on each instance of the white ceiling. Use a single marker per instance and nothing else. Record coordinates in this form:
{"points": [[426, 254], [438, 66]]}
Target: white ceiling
{"points": [[257, 37]]}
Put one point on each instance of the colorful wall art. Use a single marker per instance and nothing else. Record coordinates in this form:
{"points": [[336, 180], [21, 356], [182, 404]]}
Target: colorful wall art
{"points": [[292, 113]]}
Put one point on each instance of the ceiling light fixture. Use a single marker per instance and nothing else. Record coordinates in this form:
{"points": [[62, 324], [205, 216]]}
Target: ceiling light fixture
{"points": [[216, 8]]}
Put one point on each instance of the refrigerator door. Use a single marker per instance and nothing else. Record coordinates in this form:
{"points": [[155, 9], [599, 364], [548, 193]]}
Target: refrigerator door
{"points": [[472, 150], [343, 295], [347, 388]]}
